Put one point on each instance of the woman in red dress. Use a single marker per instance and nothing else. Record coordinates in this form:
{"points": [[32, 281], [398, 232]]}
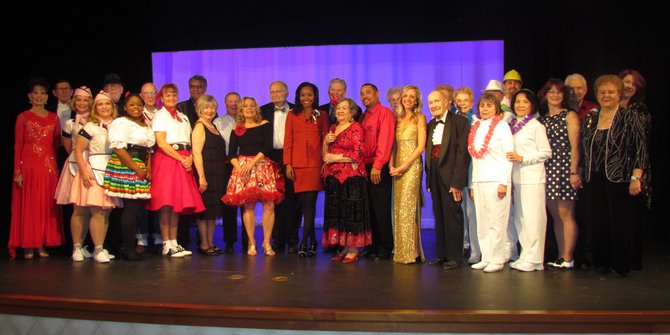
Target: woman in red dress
{"points": [[305, 128], [36, 219]]}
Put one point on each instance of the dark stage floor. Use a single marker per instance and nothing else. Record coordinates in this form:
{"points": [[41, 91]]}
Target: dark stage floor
{"points": [[234, 284]]}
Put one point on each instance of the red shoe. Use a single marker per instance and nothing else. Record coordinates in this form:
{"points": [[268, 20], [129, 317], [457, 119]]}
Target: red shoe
{"points": [[348, 260], [337, 257]]}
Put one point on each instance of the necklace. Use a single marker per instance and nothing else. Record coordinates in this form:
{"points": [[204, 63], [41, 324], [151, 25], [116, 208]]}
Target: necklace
{"points": [[516, 125], [471, 138]]}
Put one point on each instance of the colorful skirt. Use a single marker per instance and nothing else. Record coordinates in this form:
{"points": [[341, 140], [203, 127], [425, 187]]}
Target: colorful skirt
{"points": [[122, 182], [263, 183], [174, 186]]}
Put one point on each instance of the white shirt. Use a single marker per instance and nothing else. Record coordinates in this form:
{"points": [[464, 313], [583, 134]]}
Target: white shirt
{"points": [[64, 113], [439, 130], [176, 132], [123, 132], [98, 150], [532, 144], [279, 127], [225, 125], [493, 166]]}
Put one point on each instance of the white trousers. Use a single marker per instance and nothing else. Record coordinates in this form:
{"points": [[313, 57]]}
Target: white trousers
{"points": [[470, 225], [530, 220], [492, 218]]}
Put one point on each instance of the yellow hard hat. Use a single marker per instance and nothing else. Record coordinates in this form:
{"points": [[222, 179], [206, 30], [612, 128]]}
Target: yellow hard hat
{"points": [[512, 75]]}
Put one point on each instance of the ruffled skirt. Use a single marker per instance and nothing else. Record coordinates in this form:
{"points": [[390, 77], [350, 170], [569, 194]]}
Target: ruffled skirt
{"points": [[263, 183]]}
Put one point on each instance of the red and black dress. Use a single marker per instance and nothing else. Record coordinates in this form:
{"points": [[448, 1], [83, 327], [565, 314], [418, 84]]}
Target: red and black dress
{"points": [[264, 183], [347, 215]]}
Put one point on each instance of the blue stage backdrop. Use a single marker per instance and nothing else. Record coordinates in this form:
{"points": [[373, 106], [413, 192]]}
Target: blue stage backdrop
{"points": [[250, 72]]}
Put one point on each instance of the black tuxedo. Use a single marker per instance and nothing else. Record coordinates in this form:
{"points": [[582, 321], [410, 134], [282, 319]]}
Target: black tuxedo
{"points": [[188, 108], [450, 169], [285, 230], [331, 113]]}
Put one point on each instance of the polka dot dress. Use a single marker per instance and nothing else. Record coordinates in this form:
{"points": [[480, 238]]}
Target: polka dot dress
{"points": [[558, 166]]}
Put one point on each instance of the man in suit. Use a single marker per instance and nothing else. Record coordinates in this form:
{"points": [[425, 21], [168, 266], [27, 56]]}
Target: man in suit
{"points": [[197, 86], [337, 89], [285, 231], [447, 162]]}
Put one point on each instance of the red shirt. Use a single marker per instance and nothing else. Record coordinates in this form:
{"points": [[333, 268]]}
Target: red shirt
{"points": [[379, 126], [585, 108], [350, 144], [303, 139]]}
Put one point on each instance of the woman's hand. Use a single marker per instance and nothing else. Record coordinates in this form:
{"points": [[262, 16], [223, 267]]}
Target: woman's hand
{"points": [[635, 187], [202, 185], [502, 191], [141, 174], [19, 180], [87, 178], [187, 163], [398, 172], [514, 157], [289, 172], [330, 138], [575, 181]]}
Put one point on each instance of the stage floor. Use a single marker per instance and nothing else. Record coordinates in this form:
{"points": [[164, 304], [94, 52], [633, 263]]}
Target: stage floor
{"points": [[289, 292]]}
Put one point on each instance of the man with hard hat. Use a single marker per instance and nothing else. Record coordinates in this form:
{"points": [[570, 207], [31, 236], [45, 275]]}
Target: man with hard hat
{"points": [[511, 83]]}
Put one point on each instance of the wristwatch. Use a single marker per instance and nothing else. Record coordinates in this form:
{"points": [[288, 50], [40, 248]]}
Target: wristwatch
{"points": [[634, 178]]}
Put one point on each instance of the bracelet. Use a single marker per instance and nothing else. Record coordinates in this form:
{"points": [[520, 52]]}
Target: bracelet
{"points": [[574, 173], [634, 178]]}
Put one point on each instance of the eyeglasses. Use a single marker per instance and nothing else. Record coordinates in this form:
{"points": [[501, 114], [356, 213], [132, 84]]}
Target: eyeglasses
{"points": [[555, 92], [63, 89], [151, 94], [196, 86], [277, 92]]}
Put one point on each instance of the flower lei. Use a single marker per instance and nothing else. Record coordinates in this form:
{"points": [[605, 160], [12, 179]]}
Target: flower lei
{"points": [[515, 125], [240, 129], [471, 138]]}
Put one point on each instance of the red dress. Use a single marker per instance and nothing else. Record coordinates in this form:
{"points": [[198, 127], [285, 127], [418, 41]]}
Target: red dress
{"points": [[36, 219]]}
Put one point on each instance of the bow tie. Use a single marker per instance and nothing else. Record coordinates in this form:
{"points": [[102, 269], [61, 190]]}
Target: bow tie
{"points": [[280, 109], [439, 121]]}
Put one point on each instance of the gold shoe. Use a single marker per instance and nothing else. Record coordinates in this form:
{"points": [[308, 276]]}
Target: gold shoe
{"points": [[28, 253], [43, 253], [268, 250], [252, 250]]}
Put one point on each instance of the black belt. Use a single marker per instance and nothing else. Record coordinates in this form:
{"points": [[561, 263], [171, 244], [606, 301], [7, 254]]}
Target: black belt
{"points": [[138, 151], [178, 146]]}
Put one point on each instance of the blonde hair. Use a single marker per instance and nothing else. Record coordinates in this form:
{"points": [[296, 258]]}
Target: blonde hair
{"points": [[95, 116], [239, 118], [205, 101], [74, 100], [417, 108]]}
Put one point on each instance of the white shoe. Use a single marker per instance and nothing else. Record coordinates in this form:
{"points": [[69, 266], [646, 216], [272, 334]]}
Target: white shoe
{"points": [[527, 266], [77, 255], [101, 256], [479, 266], [492, 267], [562, 264], [85, 252], [183, 250], [173, 253]]}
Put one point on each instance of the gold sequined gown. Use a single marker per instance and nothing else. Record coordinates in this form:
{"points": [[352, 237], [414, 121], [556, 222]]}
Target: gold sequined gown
{"points": [[407, 199]]}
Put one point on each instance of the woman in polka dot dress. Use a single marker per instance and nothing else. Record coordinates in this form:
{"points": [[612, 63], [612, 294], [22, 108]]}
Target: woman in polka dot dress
{"points": [[563, 177]]}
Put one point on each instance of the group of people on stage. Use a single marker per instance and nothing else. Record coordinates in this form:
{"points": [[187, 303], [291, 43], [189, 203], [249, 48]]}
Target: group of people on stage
{"points": [[493, 169]]}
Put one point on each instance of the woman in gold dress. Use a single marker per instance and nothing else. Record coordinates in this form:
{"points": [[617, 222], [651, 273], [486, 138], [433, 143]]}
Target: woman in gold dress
{"points": [[406, 168]]}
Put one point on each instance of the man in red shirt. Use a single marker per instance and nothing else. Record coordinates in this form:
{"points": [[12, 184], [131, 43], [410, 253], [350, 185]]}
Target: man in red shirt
{"points": [[578, 88], [379, 125]]}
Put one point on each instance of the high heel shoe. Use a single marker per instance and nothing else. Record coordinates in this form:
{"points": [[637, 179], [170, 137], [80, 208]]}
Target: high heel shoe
{"points": [[311, 252], [268, 250], [43, 253], [252, 250], [348, 260], [338, 257], [302, 251], [28, 253]]}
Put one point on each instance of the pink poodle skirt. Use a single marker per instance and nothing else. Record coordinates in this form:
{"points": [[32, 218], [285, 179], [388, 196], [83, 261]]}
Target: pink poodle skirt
{"points": [[172, 185]]}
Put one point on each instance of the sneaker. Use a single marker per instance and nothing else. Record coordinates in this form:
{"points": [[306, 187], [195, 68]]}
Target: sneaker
{"points": [[562, 264], [77, 255], [184, 251], [85, 252], [480, 266], [492, 267], [526, 266], [101, 256], [173, 253]]}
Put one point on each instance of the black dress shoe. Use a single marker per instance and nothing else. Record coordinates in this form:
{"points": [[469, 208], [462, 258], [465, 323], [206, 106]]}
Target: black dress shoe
{"points": [[278, 247], [229, 248], [302, 251], [437, 261], [382, 257], [292, 249], [311, 251], [451, 265], [130, 255]]}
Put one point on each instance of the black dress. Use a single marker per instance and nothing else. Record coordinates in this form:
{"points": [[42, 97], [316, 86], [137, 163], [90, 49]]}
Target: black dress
{"points": [[214, 164]]}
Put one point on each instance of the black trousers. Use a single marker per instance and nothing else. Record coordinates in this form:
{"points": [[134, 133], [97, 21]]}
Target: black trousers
{"points": [[448, 218], [306, 205], [287, 223], [612, 216], [380, 212]]}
